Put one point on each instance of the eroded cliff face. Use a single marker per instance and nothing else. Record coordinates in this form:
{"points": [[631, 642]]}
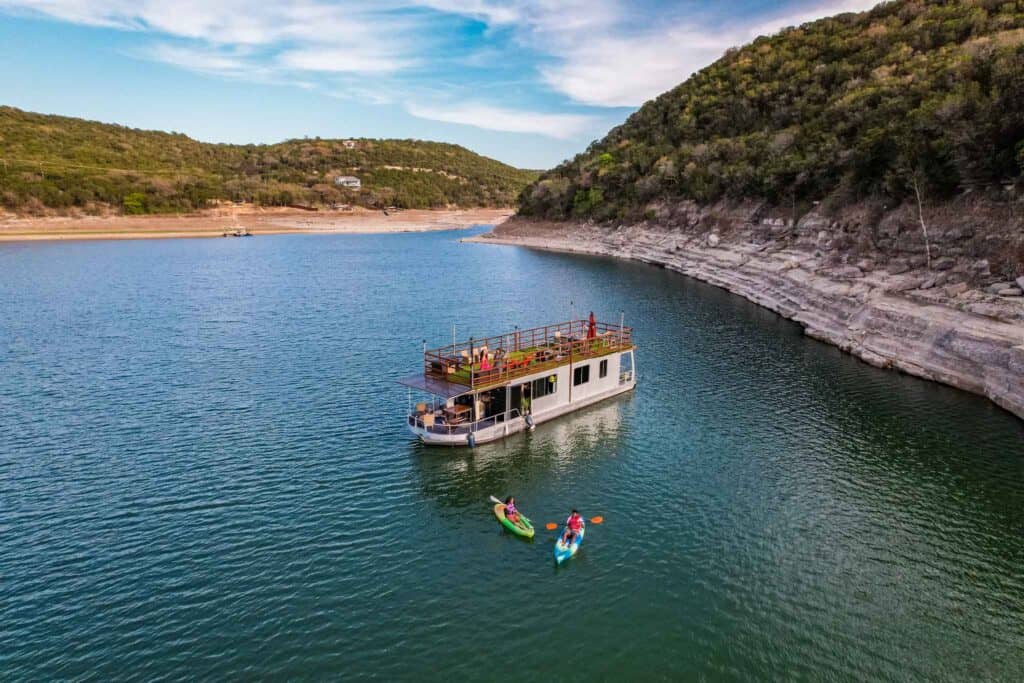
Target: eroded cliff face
{"points": [[858, 279]]}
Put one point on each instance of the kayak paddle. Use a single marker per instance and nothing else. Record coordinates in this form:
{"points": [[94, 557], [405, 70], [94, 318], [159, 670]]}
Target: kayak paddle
{"points": [[551, 526]]}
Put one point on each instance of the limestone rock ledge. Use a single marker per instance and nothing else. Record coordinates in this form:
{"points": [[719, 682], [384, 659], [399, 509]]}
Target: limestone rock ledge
{"points": [[896, 320]]}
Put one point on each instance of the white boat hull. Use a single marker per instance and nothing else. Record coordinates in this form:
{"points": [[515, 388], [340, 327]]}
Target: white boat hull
{"points": [[488, 434]]}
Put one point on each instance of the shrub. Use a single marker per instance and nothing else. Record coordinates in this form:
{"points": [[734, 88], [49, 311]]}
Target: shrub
{"points": [[134, 203]]}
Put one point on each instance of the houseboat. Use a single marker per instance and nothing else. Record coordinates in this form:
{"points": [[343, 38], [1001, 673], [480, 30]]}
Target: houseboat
{"points": [[482, 390]]}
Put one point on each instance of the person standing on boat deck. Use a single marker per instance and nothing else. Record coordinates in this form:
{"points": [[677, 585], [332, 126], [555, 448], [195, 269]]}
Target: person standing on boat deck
{"points": [[591, 326]]}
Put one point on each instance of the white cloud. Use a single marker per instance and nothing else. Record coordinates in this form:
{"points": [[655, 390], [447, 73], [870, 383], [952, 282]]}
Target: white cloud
{"points": [[606, 54], [601, 53], [357, 93], [312, 35], [209, 60], [563, 126], [341, 60], [624, 72], [75, 11], [823, 9], [484, 10], [235, 22]]}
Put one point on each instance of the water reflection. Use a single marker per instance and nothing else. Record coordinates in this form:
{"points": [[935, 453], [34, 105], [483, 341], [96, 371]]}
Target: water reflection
{"points": [[457, 477], [594, 431]]}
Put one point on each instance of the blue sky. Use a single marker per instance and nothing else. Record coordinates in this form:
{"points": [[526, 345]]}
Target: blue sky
{"points": [[529, 82]]}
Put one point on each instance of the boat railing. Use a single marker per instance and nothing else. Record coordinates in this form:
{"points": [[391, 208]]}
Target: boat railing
{"points": [[524, 352], [464, 427]]}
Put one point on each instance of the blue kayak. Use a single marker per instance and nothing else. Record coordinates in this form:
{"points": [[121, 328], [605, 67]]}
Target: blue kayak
{"points": [[563, 552]]}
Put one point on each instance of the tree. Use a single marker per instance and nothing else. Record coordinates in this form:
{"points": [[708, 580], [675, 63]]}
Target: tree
{"points": [[920, 216], [134, 203]]}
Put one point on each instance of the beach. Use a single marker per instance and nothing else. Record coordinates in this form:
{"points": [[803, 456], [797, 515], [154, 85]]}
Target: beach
{"points": [[258, 221]]}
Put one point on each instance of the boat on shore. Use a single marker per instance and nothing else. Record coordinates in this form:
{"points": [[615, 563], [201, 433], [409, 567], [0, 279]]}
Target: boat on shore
{"points": [[479, 391]]}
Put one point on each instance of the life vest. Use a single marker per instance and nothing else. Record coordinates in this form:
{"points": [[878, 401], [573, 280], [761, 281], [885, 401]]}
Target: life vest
{"points": [[574, 523]]}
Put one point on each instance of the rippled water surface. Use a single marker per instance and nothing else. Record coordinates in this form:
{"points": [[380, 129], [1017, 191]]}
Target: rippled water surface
{"points": [[204, 473]]}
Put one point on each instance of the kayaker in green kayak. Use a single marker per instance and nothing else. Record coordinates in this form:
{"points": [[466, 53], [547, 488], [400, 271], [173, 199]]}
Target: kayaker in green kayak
{"points": [[511, 518], [511, 513]]}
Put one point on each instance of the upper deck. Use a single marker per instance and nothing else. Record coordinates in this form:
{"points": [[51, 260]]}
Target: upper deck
{"points": [[478, 363]]}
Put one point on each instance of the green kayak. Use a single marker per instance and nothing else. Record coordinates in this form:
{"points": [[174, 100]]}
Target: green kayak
{"points": [[522, 528]]}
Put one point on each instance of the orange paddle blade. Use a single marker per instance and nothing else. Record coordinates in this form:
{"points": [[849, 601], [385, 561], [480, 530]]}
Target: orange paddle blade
{"points": [[550, 526], [596, 520]]}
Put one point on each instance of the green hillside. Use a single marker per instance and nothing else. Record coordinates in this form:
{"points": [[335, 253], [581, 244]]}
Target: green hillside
{"points": [[842, 109], [59, 163]]}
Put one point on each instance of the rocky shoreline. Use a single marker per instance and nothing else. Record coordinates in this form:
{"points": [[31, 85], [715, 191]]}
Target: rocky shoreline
{"points": [[954, 322]]}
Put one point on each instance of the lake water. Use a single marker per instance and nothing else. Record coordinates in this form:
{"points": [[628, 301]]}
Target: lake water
{"points": [[204, 473]]}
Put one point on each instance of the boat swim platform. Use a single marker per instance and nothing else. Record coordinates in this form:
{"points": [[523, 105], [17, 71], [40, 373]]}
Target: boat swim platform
{"points": [[477, 364]]}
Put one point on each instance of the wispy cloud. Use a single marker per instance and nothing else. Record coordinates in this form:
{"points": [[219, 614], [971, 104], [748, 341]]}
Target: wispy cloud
{"points": [[608, 57], [613, 71], [218, 36], [224, 22], [560, 53], [509, 120], [212, 60], [341, 60], [815, 11]]}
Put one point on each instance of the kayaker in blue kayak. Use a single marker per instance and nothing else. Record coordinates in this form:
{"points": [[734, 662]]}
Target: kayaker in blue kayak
{"points": [[511, 513], [573, 526]]}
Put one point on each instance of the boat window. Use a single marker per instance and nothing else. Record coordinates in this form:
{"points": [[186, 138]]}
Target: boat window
{"points": [[544, 386], [581, 375], [603, 369]]}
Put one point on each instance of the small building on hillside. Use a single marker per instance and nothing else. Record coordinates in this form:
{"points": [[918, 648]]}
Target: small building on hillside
{"points": [[349, 181]]}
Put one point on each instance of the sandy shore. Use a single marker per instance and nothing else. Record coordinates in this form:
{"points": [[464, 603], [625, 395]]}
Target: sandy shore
{"points": [[216, 222]]}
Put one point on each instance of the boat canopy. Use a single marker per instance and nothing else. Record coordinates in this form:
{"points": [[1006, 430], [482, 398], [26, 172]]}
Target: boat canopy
{"points": [[486, 362], [435, 386]]}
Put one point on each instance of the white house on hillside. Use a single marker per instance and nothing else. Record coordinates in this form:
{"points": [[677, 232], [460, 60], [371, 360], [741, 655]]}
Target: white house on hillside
{"points": [[348, 181]]}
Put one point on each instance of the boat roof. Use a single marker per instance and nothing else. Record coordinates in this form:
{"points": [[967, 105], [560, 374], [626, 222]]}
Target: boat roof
{"points": [[435, 386], [516, 354]]}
